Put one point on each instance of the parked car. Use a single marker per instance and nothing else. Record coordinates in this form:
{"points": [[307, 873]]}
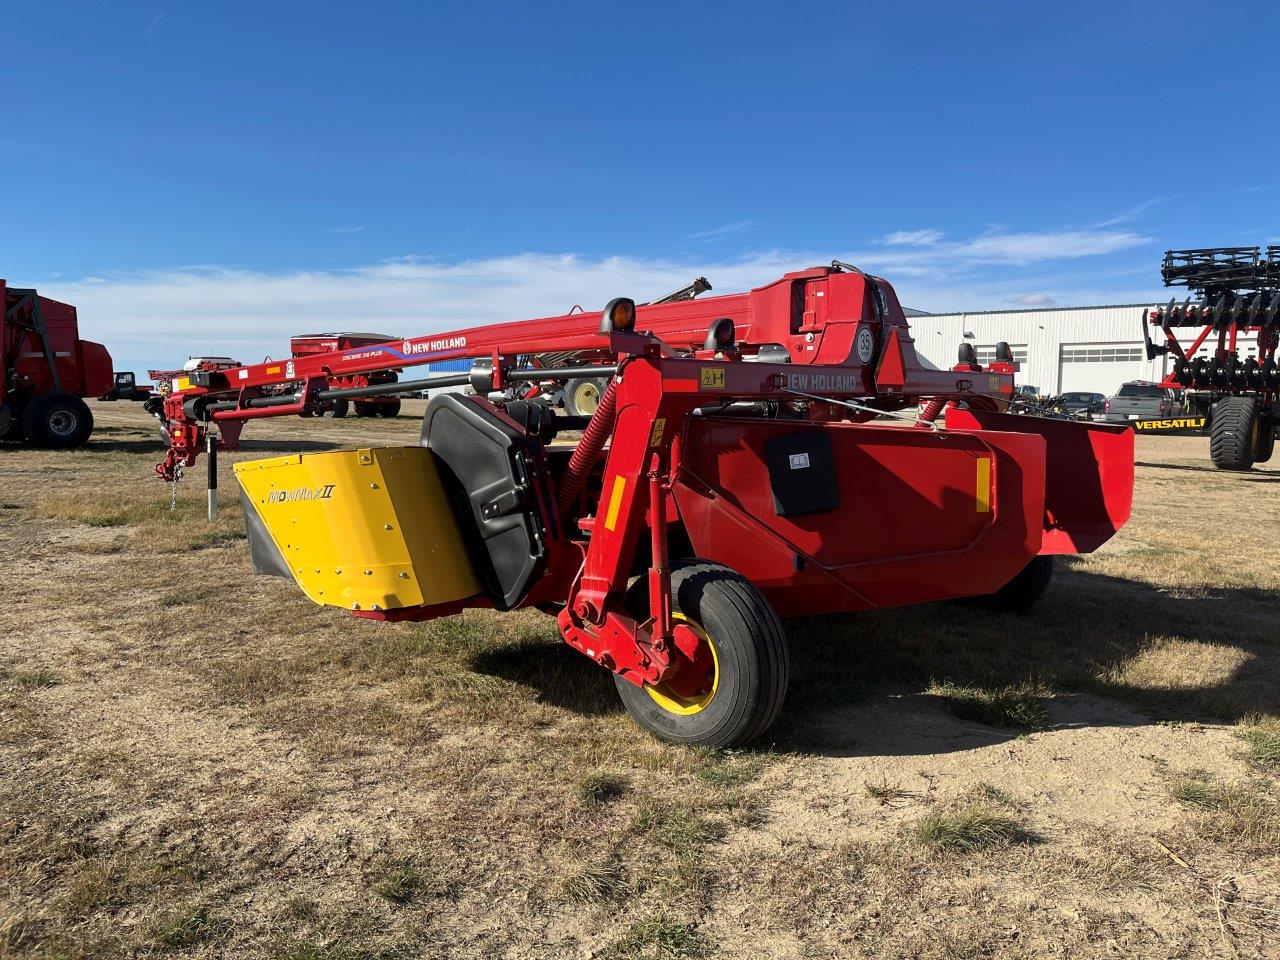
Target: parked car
{"points": [[1141, 400], [1082, 406]]}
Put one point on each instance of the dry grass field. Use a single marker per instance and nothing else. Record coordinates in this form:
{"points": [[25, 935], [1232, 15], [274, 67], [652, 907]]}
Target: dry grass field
{"points": [[198, 763]]}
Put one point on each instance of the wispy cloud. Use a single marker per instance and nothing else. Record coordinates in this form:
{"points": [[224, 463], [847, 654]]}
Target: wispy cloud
{"points": [[1030, 247], [942, 260], [153, 26], [360, 229], [715, 233], [1133, 213], [912, 238], [1034, 300]]}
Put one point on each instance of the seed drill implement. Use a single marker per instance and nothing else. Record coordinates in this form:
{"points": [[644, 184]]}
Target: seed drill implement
{"points": [[1228, 368]]}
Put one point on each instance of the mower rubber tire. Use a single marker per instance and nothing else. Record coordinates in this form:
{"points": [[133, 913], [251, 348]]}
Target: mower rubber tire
{"points": [[1021, 593], [338, 409], [1265, 445], [57, 421], [750, 655], [1233, 433], [582, 395], [366, 409], [389, 409]]}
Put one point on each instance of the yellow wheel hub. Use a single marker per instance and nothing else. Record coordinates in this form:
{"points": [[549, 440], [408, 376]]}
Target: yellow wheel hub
{"points": [[696, 678], [586, 398]]}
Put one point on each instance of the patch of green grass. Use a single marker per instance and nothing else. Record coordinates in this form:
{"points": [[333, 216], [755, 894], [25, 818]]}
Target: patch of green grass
{"points": [[190, 595], [461, 686], [600, 787], [215, 538], [1243, 814], [302, 909], [408, 880], [252, 680], [38, 679], [1263, 738], [98, 513], [1196, 788], [592, 881], [184, 928], [1014, 706], [106, 520], [674, 837], [658, 940], [93, 884], [969, 828], [990, 793], [308, 950], [726, 769], [676, 826]]}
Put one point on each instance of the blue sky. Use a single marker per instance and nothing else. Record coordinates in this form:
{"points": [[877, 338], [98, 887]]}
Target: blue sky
{"points": [[203, 177]]}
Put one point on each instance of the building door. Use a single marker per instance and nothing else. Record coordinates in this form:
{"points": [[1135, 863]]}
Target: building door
{"points": [[1100, 367]]}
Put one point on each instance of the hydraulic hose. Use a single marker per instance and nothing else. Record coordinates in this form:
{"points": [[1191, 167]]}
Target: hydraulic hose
{"points": [[588, 449]]}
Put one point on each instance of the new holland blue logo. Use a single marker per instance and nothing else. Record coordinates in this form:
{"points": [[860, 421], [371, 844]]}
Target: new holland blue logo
{"points": [[409, 350]]}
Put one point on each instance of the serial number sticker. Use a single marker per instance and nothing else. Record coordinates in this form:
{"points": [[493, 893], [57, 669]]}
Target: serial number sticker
{"points": [[711, 377], [799, 461], [659, 428]]}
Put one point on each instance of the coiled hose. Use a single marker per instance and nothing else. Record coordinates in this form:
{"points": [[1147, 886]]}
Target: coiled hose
{"points": [[588, 448]]}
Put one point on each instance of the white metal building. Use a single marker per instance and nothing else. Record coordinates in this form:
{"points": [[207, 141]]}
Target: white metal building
{"points": [[1061, 349]]}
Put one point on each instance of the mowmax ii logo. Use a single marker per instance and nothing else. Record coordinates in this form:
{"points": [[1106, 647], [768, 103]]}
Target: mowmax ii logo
{"points": [[302, 493]]}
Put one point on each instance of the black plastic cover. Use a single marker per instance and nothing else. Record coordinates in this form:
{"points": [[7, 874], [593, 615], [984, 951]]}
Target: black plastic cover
{"points": [[802, 473], [494, 474]]}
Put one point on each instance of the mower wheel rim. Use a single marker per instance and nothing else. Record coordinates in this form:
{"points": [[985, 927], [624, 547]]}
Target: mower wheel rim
{"points": [[587, 397], [62, 423], [665, 696]]}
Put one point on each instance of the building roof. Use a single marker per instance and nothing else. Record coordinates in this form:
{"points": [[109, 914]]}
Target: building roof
{"points": [[970, 313]]}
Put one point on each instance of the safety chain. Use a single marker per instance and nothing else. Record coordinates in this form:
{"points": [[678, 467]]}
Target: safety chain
{"points": [[177, 475], [863, 408]]}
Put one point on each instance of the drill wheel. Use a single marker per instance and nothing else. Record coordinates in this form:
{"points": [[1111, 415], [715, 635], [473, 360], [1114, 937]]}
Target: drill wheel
{"points": [[1234, 433]]}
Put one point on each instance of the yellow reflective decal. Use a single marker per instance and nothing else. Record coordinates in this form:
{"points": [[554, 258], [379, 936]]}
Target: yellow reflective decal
{"points": [[982, 494], [182, 383], [659, 428], [615, 502], [273, 369], [711, 378], [1176, 423]]}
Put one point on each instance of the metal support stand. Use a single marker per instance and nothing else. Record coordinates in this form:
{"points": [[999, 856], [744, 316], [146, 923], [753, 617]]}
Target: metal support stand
{"points": [[211, 455]]}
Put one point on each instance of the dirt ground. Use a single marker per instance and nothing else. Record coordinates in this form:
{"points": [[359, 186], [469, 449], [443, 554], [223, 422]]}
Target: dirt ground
{"points": [[197, 762]]}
